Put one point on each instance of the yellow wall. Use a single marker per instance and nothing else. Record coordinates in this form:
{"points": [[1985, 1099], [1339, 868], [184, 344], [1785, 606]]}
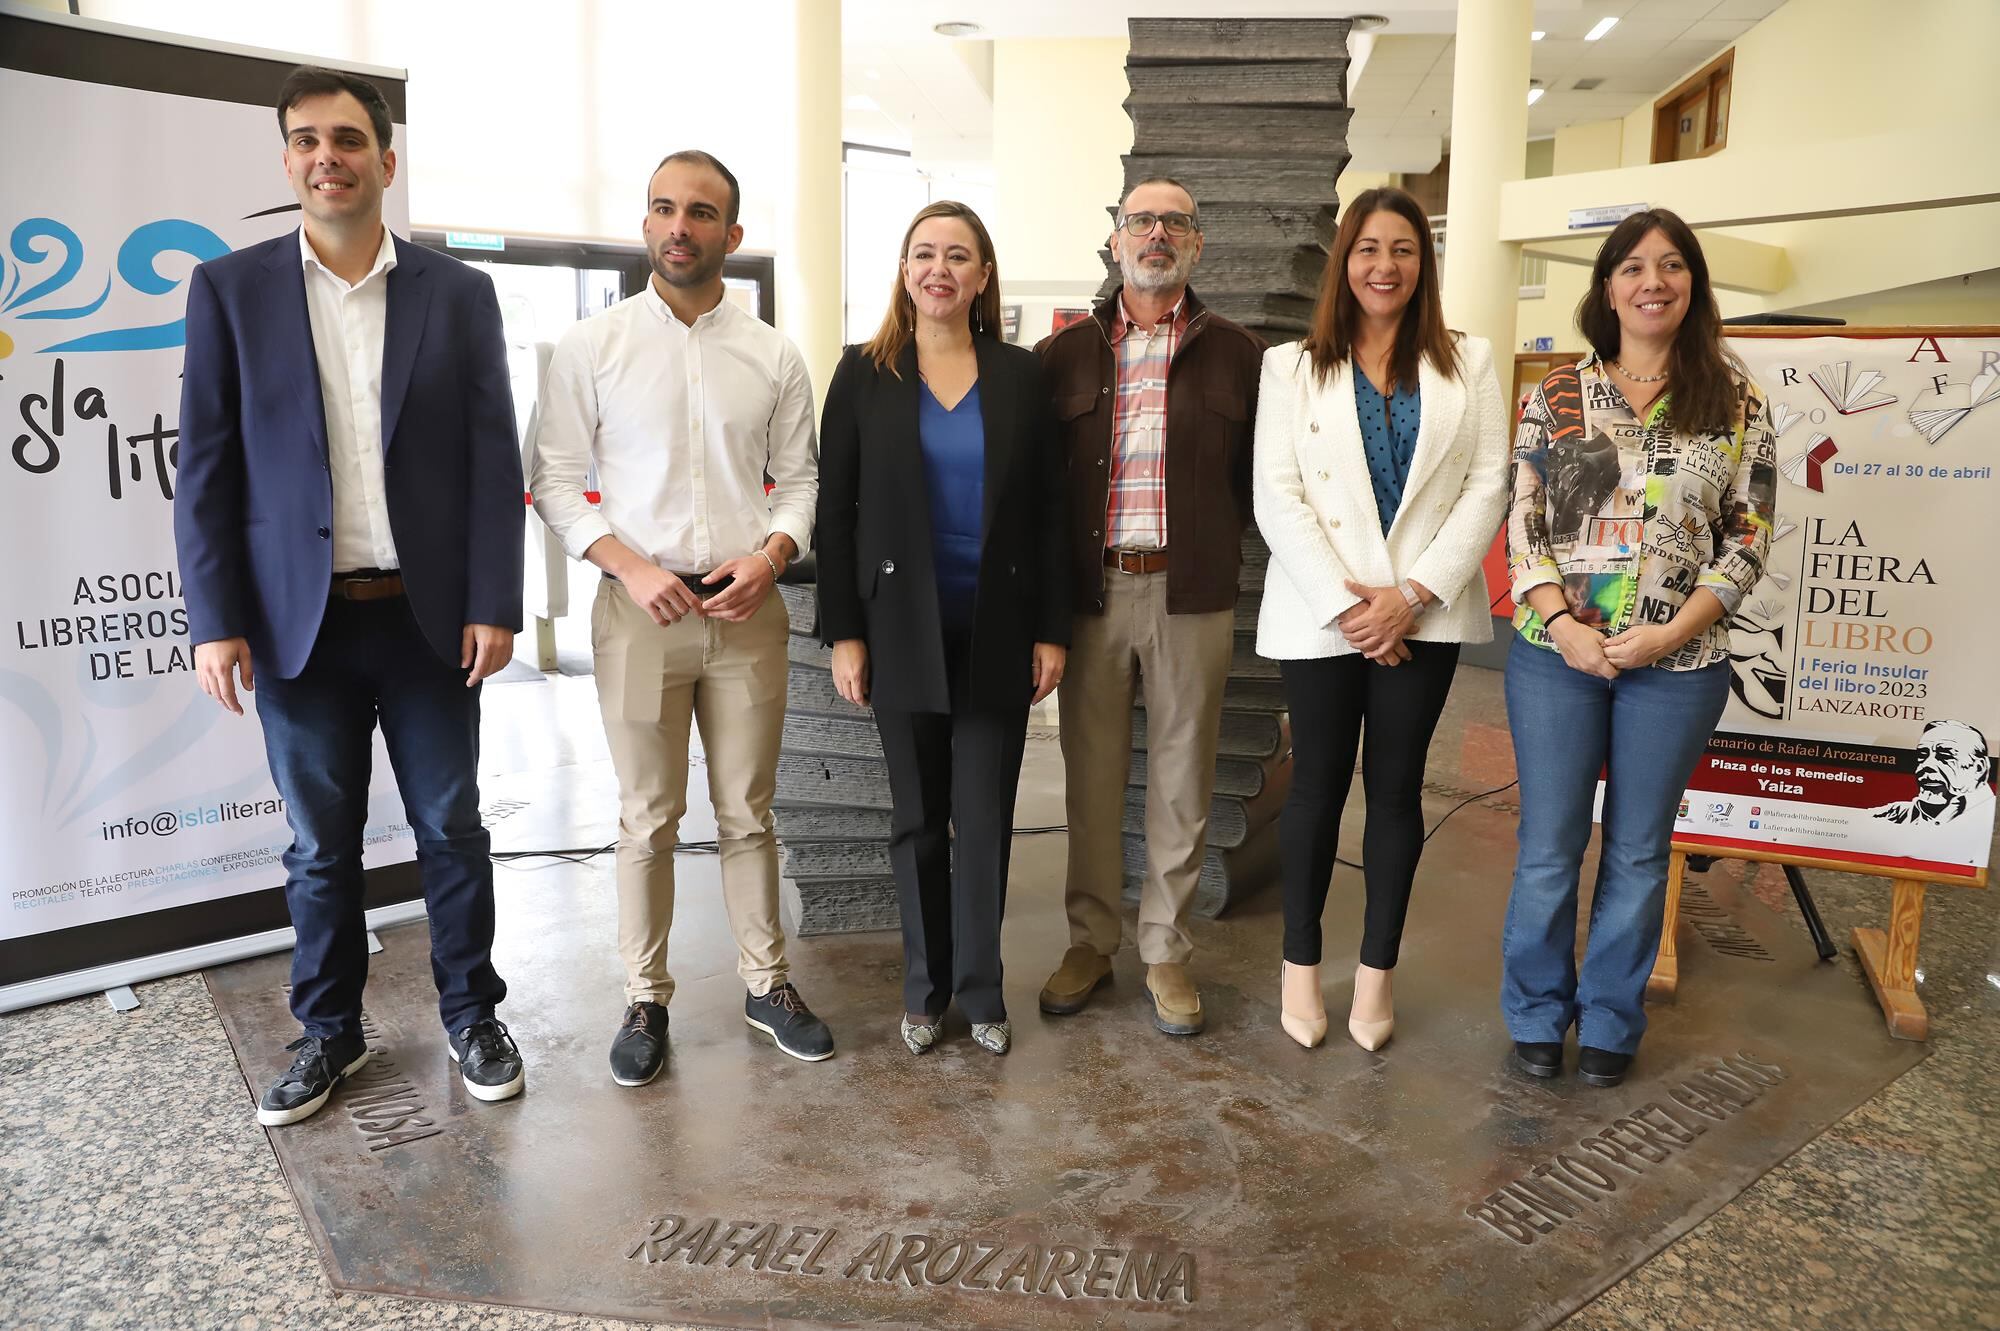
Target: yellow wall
{"points": [[1818, 72], [1596, 146], [1059, 128], [1541, 159], [1973, 298]]}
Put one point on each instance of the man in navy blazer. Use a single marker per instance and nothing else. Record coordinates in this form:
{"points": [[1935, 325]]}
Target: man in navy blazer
{"points": [[349, 516]]}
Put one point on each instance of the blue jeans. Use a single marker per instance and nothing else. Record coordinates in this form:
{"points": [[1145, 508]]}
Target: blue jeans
{"points": [[1646, 730], [371, 664]]}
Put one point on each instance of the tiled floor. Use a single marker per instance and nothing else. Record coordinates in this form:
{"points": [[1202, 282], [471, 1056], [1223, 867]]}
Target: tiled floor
{"points": [[137, 1191]]}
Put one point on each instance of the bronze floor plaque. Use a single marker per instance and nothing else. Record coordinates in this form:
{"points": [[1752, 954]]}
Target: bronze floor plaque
{"points": [[1101, 1174]]}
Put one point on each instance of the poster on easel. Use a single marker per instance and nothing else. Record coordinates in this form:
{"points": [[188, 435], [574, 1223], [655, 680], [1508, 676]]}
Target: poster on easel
{"points": [[1862, 707]]}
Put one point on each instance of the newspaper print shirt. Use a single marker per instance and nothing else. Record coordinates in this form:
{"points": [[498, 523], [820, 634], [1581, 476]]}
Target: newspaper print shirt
{"points": [[1628, 517]]}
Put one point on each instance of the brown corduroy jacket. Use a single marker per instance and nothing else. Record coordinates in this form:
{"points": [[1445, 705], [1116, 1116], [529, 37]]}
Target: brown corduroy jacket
{"points": [[1211, 413]]}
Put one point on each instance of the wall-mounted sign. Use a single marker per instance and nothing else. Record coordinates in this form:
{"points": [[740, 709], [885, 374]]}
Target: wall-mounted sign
{"points": [[486, 240], [1611, 214]]}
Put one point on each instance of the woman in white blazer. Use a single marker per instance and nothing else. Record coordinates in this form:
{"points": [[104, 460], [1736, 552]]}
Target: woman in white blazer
{"points": [[1381, 476]]}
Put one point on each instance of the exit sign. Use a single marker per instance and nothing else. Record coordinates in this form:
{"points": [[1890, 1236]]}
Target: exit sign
{"points": [[474, 240]]}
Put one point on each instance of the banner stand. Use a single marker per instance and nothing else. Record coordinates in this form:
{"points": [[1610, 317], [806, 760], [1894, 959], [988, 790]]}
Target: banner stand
{"points": [[113, 975], [145, 836], [1890, 959]]}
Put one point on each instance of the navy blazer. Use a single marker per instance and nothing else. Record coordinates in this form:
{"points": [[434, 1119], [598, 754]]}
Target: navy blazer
{"points": [[253, 507], [873, 535]]}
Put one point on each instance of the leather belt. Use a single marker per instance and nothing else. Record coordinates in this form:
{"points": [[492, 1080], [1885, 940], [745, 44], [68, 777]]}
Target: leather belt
{"points": [[1137, 561], [693, 582], [367, 585]]}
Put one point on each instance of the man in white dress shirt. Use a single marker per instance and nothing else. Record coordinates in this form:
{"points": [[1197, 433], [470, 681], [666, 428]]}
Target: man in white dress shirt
{"points": [[348, 518], [684, 403]]}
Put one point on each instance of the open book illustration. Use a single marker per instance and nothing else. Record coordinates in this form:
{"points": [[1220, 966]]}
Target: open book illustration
{"points": [[1806, 468], [1784, 529], [1783, 417], [1935, 413], [1849, 391]]}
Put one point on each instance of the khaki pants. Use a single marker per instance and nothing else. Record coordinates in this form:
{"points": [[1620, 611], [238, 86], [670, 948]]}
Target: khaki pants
{"points": [[1182, 661], [729, 679]]}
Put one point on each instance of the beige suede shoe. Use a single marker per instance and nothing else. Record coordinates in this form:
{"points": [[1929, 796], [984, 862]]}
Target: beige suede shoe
{"points": [[1176, 1002], [1083, 969]]}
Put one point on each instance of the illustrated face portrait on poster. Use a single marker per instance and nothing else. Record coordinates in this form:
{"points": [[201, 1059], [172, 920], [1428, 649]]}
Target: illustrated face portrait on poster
{"points": [[1861, 707]]}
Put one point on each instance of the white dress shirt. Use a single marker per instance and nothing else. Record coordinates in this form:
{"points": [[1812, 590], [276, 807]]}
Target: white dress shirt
{"points": [[348, 323], [682, 423]]}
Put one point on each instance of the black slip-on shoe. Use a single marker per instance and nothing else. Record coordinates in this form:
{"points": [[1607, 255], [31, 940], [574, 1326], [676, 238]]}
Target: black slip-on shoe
{"points": [[784, 1016], [639, 1049], [1539, 1059], [320, 1065], [1600, 1067], [488, 1062]]}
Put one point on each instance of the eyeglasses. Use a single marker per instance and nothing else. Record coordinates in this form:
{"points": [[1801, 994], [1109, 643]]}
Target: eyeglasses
{"points": [[1141, 224]]}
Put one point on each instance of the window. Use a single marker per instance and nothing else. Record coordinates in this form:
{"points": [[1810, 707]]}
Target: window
{"points": [[1693, 120], [1534, 277]]}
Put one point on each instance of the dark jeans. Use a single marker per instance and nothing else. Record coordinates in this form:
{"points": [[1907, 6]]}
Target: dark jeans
{"points": [[372, 664], [1331, 699], [1645, 731], [949, 773]]}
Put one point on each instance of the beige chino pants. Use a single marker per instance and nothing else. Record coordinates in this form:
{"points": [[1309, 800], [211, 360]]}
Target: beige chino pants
{"points": [[652, 682], [1182, 663]]}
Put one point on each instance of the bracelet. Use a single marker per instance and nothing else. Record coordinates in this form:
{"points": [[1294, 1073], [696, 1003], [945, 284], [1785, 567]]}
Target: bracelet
{"points": [[772, 562], [1549, 621], [1410, 595]]}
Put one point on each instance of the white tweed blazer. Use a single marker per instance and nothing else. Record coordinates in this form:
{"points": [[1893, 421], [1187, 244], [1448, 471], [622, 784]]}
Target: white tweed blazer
{"points": [[1316, 505]]}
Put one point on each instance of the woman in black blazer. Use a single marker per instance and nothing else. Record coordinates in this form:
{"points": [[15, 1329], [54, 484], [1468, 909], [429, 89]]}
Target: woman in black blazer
{"points": [[944, 590]]}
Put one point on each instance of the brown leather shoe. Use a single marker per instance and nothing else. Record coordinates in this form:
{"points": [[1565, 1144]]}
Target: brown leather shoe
{"points": [[1083, 969], [1176, 1002]]}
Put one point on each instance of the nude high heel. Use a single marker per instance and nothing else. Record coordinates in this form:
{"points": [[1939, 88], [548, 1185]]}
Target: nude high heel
{"points": [[1308, 1031], [1371, 1035]]}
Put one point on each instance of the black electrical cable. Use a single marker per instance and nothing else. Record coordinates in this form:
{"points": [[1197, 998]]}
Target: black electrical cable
{"points": [[583, 854], [1469, 799]]}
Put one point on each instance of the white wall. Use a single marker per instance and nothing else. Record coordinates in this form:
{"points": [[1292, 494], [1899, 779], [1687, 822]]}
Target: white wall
{"points": [[541, 119]]}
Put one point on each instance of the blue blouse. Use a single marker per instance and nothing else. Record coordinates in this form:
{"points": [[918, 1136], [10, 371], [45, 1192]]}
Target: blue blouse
{"points": [[954, 450], [1389, 439]]}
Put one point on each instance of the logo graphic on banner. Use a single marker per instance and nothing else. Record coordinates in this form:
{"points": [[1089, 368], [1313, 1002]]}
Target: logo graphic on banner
{"points": [[135, 266]]}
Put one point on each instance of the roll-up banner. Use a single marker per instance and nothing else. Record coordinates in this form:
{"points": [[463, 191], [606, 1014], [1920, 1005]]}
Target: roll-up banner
{"points": [[1862, 706], [141, 830]]}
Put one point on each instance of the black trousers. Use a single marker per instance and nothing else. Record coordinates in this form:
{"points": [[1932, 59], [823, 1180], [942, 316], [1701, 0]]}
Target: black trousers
{"points": [[952, 772], [1331, 700]]}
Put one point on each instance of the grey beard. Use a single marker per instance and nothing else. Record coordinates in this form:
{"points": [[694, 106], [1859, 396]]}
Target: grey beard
{"points": [[1141, 278]]}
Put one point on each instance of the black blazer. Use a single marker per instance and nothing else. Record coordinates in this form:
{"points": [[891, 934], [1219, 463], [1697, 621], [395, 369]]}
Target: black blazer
{"points": [[876, 580]]}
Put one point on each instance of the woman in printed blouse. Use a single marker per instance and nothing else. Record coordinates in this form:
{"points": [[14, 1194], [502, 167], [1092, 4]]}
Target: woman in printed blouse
{"points": [[1643, 488], [1380, 476]]}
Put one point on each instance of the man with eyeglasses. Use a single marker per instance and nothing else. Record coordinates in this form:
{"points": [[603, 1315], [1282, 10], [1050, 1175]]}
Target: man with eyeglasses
{"points": [[1155, 396]]}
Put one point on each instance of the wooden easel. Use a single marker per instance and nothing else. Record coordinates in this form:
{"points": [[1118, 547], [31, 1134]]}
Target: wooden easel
{"points": [[1889, 959]]}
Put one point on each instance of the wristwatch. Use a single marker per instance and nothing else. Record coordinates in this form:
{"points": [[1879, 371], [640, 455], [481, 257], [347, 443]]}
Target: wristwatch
{"points": [[1410, 594]]}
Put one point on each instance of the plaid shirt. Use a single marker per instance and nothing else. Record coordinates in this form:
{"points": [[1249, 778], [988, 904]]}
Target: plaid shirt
{"points": [[1135, 515]]}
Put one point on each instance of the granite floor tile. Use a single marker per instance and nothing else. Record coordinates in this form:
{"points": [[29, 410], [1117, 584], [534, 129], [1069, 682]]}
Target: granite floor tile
{"points": [[136, 1189]]}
